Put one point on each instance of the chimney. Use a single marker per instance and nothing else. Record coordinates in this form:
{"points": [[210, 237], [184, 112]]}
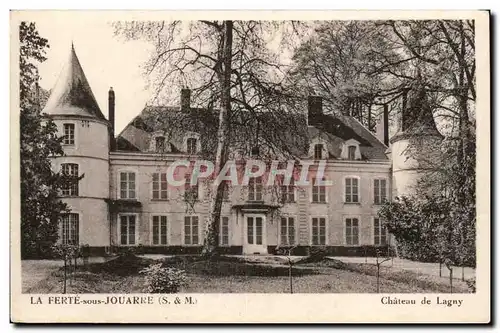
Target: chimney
{"points": [[185, 99], [111, 116], [383, 126], [314, 106]]}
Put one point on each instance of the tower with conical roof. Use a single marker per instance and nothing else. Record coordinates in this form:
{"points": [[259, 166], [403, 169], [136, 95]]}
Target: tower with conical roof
{"points": [[85, 130], [417, 135]]}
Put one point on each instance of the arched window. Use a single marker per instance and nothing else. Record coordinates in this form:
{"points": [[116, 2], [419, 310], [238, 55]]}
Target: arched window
{"points": [[351, 152], [160, 143], [255, 151], [192, 144], [318, 151]]}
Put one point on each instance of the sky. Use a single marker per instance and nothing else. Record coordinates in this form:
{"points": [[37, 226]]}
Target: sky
{"points": [[107, 61]]}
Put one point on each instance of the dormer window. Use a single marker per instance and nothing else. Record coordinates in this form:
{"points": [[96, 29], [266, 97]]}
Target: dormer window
{"points": [[318, 148], [351, 152], [255, 151], [192, 144], [318, 151], [160, 143]]}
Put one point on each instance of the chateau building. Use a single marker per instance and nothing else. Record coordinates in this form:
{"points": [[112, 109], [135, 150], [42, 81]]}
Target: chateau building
{"points": [[124, 198]]}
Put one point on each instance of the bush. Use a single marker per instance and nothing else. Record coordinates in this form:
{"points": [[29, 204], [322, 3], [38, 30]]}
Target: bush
{"points": [[471, 285], [318, 252], [161, 279]]}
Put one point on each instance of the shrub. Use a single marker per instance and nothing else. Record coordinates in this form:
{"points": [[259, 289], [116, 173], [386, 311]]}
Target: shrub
{"points": [[318, 252], [161, 279], [471, 285]]}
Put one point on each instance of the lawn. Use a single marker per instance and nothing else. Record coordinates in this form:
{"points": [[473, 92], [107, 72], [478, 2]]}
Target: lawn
{"points": [[236, 275]]}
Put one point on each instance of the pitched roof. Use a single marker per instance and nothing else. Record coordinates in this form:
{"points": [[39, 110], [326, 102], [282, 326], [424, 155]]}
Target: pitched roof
{"points": [[335, 130], [72, 94]]}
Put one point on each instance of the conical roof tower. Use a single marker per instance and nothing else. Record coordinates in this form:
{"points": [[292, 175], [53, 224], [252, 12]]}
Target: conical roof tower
{"points": [[72, 94]]}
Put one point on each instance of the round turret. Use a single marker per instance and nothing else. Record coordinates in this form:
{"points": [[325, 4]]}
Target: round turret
{"points": [[85, 131], [417, 137]]}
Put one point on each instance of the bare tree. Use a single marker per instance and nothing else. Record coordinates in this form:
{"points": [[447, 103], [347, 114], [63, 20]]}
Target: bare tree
{"points": [[236, 72]]}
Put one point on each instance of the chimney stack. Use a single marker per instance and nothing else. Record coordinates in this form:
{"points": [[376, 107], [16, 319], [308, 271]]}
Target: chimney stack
{"points": [[314, 106], [383, 126], [185, 99], [111, 116]]}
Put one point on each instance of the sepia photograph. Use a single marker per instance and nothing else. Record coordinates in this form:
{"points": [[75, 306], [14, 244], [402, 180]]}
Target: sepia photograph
{"points": [[164, 159]]}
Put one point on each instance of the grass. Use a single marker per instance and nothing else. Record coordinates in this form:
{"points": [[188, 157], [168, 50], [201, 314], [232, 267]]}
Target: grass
{"points": [[237, 275]]}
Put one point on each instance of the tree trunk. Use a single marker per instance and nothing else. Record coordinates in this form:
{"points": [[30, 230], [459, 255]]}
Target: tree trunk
{"points": [[212, 237]]}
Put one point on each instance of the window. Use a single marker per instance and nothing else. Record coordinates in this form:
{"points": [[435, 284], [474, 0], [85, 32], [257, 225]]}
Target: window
{"points": [[351, 152], [191, 236], [318, 192], [380, 191], [127, 229], [70, 170], [287, 231], [68, 134], [318, 231], [351, 231], [70, 228], [127, 185], [190, 191], [160, 191], [226, 190], [255, 151], [351, 190], [159, 230], [191, 145], [379, 232], [224, 231], [318, 151], [160, 143], [255, 189], [288, 192]]}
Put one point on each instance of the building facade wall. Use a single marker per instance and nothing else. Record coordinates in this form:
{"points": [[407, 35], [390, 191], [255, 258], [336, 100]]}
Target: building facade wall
{"points": [[335, 210]]}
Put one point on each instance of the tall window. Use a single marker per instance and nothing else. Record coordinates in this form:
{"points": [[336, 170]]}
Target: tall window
{"points": [[70, 228], [351, 152], [191, 226], [127, 185], [127, 229], [159, 230], [318, 231], [379, 232], [191, 145], [225, 184], [318, 191], [68, 134], [190, 191], [70, 170], [255, 151], [351, 190], [255, 189], [224, 231], [160, 143], [351, 231], [287, 231], [160, 186], [380, 191], [318, 151], [288, 192]]}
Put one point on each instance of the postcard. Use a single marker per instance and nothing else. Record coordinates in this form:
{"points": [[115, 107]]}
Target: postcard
{"points": [[250, 167]]}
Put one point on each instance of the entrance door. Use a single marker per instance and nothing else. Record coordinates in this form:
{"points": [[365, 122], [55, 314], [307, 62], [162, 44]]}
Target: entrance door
{"points": [[255, 234]]}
